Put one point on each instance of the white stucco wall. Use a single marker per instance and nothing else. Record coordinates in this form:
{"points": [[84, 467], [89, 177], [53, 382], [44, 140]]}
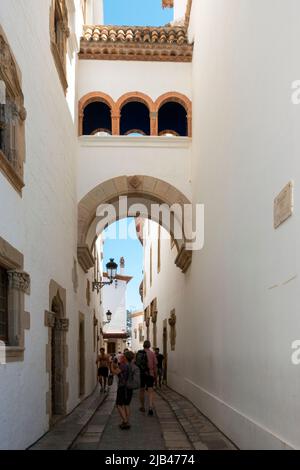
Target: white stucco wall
{"points": [[114, 299], [167, 287], [137, 319], [103, 158], [42, 224], [245, 149], [179, 9], [118, 77], [237, 306]]}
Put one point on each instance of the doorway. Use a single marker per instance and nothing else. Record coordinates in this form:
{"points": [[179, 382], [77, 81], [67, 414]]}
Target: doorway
{"points": [[111, 348], [81, 355], [58, 363], [165, 351]]}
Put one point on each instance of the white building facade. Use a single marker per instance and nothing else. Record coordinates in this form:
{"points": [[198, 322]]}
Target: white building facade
{"points": [[115, 332], [226, 315]]}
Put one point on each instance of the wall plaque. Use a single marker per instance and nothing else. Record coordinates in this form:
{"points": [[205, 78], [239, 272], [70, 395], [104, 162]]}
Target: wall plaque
{"points": [[283, 205]]}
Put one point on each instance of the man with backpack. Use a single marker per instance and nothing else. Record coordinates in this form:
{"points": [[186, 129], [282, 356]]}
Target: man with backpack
{"points": [[147, 363]]}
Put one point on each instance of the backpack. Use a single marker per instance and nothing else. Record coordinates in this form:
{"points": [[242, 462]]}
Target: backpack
{"points": [[134, 377], [141, 361]]}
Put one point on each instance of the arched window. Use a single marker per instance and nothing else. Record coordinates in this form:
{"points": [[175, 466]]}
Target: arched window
{"points": [[59, 33], [12, 117], [96, 118], [172, 118], [135, 118]]}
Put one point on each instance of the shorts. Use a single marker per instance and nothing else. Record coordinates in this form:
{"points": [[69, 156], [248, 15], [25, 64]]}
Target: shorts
{"points": [[147, 381], [124, 396], [103, 372]]}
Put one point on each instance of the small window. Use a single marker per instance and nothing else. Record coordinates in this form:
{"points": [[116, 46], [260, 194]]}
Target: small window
{"points": [[135, 119], [97, 119], [172, 119], [3, 305]]}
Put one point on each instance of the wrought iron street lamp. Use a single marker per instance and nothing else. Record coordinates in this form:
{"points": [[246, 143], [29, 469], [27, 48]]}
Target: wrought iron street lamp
{"points": [[111, 268], [108, 316]]}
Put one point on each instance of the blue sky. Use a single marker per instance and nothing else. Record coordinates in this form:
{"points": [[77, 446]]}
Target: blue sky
{"points": [[136, 12], [132, 251]]}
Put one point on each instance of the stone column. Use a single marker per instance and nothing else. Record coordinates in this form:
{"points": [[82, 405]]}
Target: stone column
{"points": [[18, 285], [154, 123], [115, 123], [189, 125], [80, 123]]}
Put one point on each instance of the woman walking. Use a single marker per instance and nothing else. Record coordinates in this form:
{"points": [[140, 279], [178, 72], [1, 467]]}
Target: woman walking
{"points": [[124, 394]]}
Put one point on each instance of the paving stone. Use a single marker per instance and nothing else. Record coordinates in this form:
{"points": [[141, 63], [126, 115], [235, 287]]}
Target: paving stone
{"points": [[200, 446], [88, 439], [65, 431], [93, 428], [202, 434], [176, 425]]}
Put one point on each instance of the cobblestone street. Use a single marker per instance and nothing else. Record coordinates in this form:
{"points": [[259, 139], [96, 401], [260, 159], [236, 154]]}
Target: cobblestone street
{"points": [[176, 425]]}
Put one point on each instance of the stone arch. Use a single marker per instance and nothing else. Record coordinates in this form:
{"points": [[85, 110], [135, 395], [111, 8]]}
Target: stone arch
{"points": [[135, 96], [177, 98], [144, 190], [95, 96]]}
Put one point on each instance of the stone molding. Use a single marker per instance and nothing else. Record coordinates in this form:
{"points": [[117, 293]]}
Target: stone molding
{"points": [[59, 33], [61, 324], [10, 257], [26, 320], [151, 189], [19, 284], [19, 280], [88, 292], [49, 319], [143, 141], [85, 257], [153, 310], [58, 326], [10, 173], [172, 322], [11, 76], [184, 259], [75, 276]]}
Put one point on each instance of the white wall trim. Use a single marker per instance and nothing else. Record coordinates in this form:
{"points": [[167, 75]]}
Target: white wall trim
{"points": [[241, 429], [136, 142]]}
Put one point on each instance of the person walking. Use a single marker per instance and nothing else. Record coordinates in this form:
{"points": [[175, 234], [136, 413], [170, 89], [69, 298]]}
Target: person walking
{"points": [[103, 364], [147, 363], [160, 367], [124, 392]]}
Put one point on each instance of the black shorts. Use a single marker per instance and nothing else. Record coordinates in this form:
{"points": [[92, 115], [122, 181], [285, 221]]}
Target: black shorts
{"points": [[147, 381], [103, 371], [124, 396]]}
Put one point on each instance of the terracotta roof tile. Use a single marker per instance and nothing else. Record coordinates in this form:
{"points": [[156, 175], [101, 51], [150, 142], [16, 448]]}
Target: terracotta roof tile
{"points": [[168, 43]]}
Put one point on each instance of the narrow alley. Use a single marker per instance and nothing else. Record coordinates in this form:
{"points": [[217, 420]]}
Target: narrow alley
{"points": [[94, 425]]}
